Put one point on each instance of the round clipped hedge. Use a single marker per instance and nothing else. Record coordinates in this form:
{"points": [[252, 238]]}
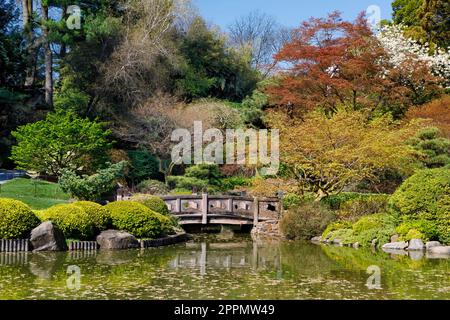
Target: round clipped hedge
{"points": [[418, 197], [73, 221], [167, 224], [136, 219], [423, 203], [152, 202], [16, 219], [100, 217]]}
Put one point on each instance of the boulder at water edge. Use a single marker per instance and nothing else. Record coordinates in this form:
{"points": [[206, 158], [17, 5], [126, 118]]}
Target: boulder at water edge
{"points": [[396, 246], [116, 240], [416, 245], [47, 237], [432, 244]]}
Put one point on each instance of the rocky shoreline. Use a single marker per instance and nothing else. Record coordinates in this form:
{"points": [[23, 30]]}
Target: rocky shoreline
{"points": [[415, 248], [47, 237]]}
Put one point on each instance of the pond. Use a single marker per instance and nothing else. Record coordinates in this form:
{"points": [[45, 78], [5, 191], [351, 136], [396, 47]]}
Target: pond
{"points": [[224, 267]]}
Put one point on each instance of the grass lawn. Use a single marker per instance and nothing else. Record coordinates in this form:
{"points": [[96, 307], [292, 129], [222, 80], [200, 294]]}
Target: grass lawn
{"points": [[36, 193]]}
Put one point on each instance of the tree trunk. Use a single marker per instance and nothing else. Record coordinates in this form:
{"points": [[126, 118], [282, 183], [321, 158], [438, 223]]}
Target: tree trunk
{"points": [[320, 195], [63, 48], [26, 16], [27, 22], [47, 57]]}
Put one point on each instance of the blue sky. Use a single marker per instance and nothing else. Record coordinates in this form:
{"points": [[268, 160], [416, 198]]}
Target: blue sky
{"points": [[288, 12]]}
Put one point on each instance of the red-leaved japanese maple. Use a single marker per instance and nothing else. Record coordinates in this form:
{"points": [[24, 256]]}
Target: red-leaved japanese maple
{"points": [[331, 62]]}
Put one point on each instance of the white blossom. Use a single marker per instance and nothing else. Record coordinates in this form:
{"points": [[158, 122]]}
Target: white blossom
{"points": [[400, 49]]}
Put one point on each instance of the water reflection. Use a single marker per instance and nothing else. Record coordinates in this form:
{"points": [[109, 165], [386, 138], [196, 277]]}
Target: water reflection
{"points": [[227, 256], [217, 267]]}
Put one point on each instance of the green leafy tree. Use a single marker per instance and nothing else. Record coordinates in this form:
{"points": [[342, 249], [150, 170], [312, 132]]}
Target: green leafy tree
{"points": [[406, 11], [211, 68], [61, 141], [427, 20], [92, 188], [435, 20]]}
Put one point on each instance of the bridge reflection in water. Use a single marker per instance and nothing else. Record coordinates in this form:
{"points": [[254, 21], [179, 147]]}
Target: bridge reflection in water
{"points": [[228, 256]]}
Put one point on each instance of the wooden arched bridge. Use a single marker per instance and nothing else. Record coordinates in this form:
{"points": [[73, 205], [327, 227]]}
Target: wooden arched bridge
{"points": [[222, 210]]}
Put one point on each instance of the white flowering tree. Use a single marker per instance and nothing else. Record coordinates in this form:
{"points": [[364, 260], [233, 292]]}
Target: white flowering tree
{"points": [[406, 53]]}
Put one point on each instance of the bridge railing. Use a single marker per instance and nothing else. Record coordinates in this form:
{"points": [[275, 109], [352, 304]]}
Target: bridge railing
{"points": [[205, 205]]}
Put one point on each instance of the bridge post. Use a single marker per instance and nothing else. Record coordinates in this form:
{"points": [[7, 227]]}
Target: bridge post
{"points": [[205, 208], [255, 211]]}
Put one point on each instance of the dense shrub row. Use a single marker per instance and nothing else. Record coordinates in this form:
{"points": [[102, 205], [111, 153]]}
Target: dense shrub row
{"points": [[84, 220], [419, 209]]}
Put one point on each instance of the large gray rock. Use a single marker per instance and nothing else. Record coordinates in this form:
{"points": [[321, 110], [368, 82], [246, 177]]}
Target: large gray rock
{"points": [[432, 244], [116, 240], [47, 237], [416, 245], [396, 246], [316, 239]]}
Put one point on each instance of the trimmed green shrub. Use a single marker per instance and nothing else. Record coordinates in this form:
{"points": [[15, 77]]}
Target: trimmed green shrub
{"points": [[377, 226], [158, 205], [40, 214], [415, 234], [419, 197], [153, 203], [167, 224], [136, 219], [100, 217], [16, 219], [154, 187], [72, 220], [443, 219], [427, 230], [305, 221], [344, 235], [354, 209], [334, 226], [366, 229]]}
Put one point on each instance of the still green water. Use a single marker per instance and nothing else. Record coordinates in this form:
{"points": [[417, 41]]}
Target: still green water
{"points": [[223, 267]]}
